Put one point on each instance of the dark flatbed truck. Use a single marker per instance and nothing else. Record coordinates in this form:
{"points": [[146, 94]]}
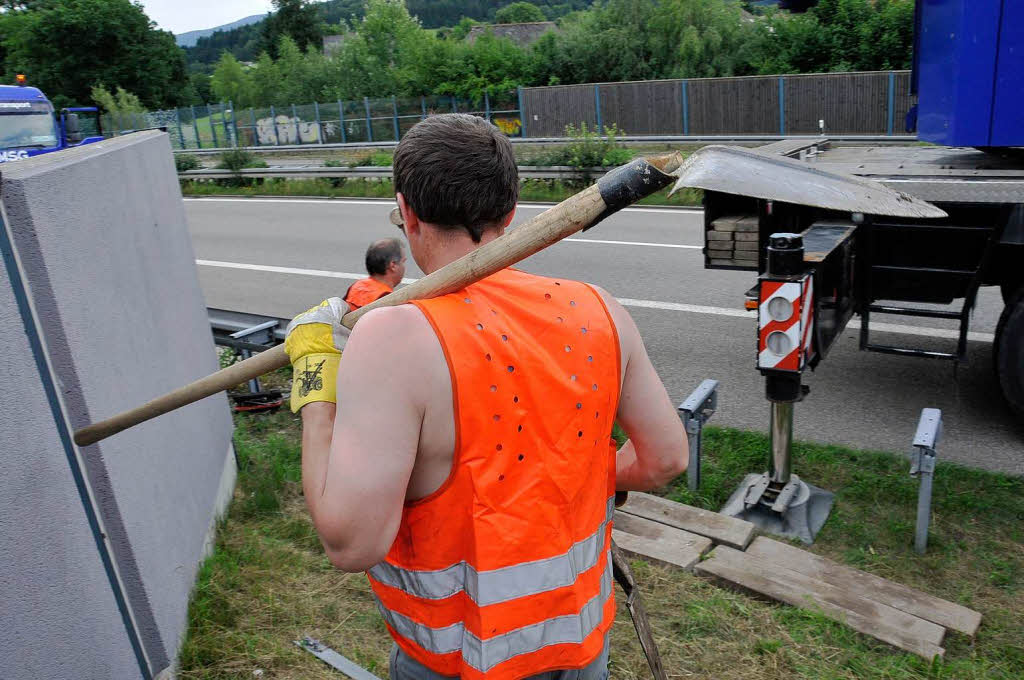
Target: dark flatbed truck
{"points": [[894, 267]]}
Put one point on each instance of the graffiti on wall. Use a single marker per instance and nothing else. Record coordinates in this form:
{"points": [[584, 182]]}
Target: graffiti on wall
{"points": [[290, 130], [510, 126]]}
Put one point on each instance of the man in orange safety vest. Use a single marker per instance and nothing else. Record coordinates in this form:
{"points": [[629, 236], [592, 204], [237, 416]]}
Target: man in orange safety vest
{"points": [[474, 477], [385, 264]]}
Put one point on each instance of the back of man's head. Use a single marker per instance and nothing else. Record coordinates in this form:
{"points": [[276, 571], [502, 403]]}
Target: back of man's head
{"points": [[382, 253], [457, 171]]}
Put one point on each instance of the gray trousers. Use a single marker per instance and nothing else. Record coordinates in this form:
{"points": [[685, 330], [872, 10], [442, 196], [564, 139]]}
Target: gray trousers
{"points": [[404, 667]]}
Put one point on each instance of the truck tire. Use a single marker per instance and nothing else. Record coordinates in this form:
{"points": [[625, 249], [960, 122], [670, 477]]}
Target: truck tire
{"points": [[1008, 353]]}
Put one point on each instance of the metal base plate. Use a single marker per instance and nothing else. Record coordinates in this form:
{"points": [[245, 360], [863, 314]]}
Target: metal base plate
{"points": [[802, 519]]}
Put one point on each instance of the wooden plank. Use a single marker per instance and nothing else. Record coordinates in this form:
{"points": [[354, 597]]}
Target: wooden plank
{"points": [[902, 630], [657, 542], [896, 595], [719, 528]]}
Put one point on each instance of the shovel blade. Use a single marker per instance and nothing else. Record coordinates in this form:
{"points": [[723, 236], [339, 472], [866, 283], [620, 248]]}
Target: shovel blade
{"points": [[746, 172]]}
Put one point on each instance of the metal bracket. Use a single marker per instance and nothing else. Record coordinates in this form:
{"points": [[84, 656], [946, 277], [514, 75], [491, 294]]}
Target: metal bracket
{"points": [[335, 660], [922, 466], [260, 334], [696, 410]]}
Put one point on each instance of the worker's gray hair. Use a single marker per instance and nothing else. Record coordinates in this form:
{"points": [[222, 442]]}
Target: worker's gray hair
{"points": [[382, 253]]}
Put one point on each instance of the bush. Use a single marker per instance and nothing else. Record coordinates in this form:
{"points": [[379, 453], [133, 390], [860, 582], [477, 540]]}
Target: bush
{"points": [[185, 161], [237, 159], [378, 159], [587, 149]]}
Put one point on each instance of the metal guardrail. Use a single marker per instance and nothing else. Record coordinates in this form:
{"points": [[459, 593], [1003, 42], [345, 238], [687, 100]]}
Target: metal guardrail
{"points": [[525, 172], [680, 139]]}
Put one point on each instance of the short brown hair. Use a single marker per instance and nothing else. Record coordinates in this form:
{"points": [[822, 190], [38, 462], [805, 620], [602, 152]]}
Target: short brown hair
{"points": [[382, 253], [456, 170]]}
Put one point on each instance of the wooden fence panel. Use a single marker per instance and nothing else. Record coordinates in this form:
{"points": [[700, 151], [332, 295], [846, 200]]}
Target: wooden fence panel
{"points": [[724, 106], [549, 109], [849, 103], [643, 108]]}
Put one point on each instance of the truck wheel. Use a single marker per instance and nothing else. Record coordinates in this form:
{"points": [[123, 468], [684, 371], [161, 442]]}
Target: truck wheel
{"points": [[1008, 353]]}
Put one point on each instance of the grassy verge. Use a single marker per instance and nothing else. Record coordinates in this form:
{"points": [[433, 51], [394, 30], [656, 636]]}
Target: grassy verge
{"points": [[530, 190], [268, 582]]}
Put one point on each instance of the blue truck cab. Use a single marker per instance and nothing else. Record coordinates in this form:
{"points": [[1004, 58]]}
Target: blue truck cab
{"points": [[29, 125]]}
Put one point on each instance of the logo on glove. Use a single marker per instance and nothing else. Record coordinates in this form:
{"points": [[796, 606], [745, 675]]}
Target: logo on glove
{"points": [[311, 380]]}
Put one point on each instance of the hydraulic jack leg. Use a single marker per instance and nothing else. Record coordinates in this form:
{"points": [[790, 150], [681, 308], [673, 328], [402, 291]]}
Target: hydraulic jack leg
{"points": [[778, 501]]}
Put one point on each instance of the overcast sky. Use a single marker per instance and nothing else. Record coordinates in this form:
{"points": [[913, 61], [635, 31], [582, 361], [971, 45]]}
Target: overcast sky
{"points": [[179, 16]]}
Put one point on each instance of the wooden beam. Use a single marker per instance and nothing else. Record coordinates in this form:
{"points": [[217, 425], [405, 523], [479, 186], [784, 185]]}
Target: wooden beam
{"points": [[733, 532], [854, 581], [754, 574], [658, 543]]}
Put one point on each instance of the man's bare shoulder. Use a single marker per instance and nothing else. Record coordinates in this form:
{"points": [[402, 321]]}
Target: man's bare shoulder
{"points": [[401, 328]]}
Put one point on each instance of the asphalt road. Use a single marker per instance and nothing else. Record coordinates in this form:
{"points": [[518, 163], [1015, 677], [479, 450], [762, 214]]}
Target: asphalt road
{"points": [[279, 256]]}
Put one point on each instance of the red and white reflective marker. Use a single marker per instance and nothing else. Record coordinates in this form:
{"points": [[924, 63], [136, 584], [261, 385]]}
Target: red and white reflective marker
{"points": [[785, 321]]}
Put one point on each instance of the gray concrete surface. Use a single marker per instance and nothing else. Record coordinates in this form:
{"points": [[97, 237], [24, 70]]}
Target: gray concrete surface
{"points": [[58, 618], [101, 235], [275, 256]]}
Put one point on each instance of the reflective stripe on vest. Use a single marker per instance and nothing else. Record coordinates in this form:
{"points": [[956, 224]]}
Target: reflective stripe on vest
{"points": [[484, 655], [507, 583]]}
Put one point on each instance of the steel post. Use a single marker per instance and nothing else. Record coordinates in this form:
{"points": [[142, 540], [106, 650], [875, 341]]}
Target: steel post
{"points": [[234, 121], [522, 112], [891, 103], [597, 108], [195, 128], [695, 411], [341, 121], [319, 127], [686, 107], [929, 431], [369, 125], [224, 122], [455, 105], [252, 120], [181, 133], [782, 105], [487, 106], [295, 120], [423, 108], [273, 120], [394, 114], [781, 442], [213, 128]]}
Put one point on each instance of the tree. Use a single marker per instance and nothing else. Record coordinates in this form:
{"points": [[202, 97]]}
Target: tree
{"points": [[230, 82], [121, 102], [518, 13], [297, 19], [67, 47]]}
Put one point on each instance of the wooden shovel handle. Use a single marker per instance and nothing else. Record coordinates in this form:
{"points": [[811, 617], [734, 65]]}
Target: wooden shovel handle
{"points": [[568, 217]]}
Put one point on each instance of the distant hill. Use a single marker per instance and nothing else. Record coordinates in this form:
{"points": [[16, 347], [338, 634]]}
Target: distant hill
{"points": [[190, 38], [242, 37]]}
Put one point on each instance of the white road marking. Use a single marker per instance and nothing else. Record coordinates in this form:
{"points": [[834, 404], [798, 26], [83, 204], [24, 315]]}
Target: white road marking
{"points": [[946, 333], [631, 243], [387, 203]]}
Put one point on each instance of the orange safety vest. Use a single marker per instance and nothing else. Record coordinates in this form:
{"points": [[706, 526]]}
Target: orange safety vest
{"points": [[365, 291], [504, 572]]}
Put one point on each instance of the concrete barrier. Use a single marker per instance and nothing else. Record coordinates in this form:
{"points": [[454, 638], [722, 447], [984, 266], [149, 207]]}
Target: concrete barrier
{"points": [[102, 310]]}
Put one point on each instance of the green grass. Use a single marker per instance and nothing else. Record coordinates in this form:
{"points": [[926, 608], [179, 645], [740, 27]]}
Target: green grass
{"points": [[268, 582], [530, 190]]}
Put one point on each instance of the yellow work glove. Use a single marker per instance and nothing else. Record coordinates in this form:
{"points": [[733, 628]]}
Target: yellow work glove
{"points": [[314, 343]]}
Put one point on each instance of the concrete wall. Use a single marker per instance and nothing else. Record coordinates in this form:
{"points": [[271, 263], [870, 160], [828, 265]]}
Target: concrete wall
{"points": [[105, 255]]}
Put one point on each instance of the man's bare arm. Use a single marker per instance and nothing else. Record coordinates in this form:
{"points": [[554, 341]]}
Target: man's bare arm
{"points": [[356, 462], [657, 449]]}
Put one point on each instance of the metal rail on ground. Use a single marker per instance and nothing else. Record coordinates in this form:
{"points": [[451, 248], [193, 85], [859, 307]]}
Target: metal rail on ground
{"points": [[374, 172]]}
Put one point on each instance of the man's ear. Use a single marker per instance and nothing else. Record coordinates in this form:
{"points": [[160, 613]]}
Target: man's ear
{"points": [[409, 219], [506, 220]]}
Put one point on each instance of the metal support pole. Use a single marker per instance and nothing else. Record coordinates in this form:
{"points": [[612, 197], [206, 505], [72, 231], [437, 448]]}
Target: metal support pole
{"points": [[195, 127], [319, 128], [423, 108], [487, 106], [255, 131], [260, 334], [369, 125], [181, 133], [522, 113], [234, 121], [929, 431], [341, 121], [694, 412], [597, 108], [295, 120], [891, 103], [455, 105], [782, 105], [273, 119], [224, 122], [782, 442], [213, 128], [686, 107], [394, 115]]}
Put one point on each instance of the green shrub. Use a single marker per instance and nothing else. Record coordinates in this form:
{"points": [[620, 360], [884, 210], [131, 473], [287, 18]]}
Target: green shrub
{"points": [[378, 159], [238, 159], [588, 149], [185, 161], [334, 163]]}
